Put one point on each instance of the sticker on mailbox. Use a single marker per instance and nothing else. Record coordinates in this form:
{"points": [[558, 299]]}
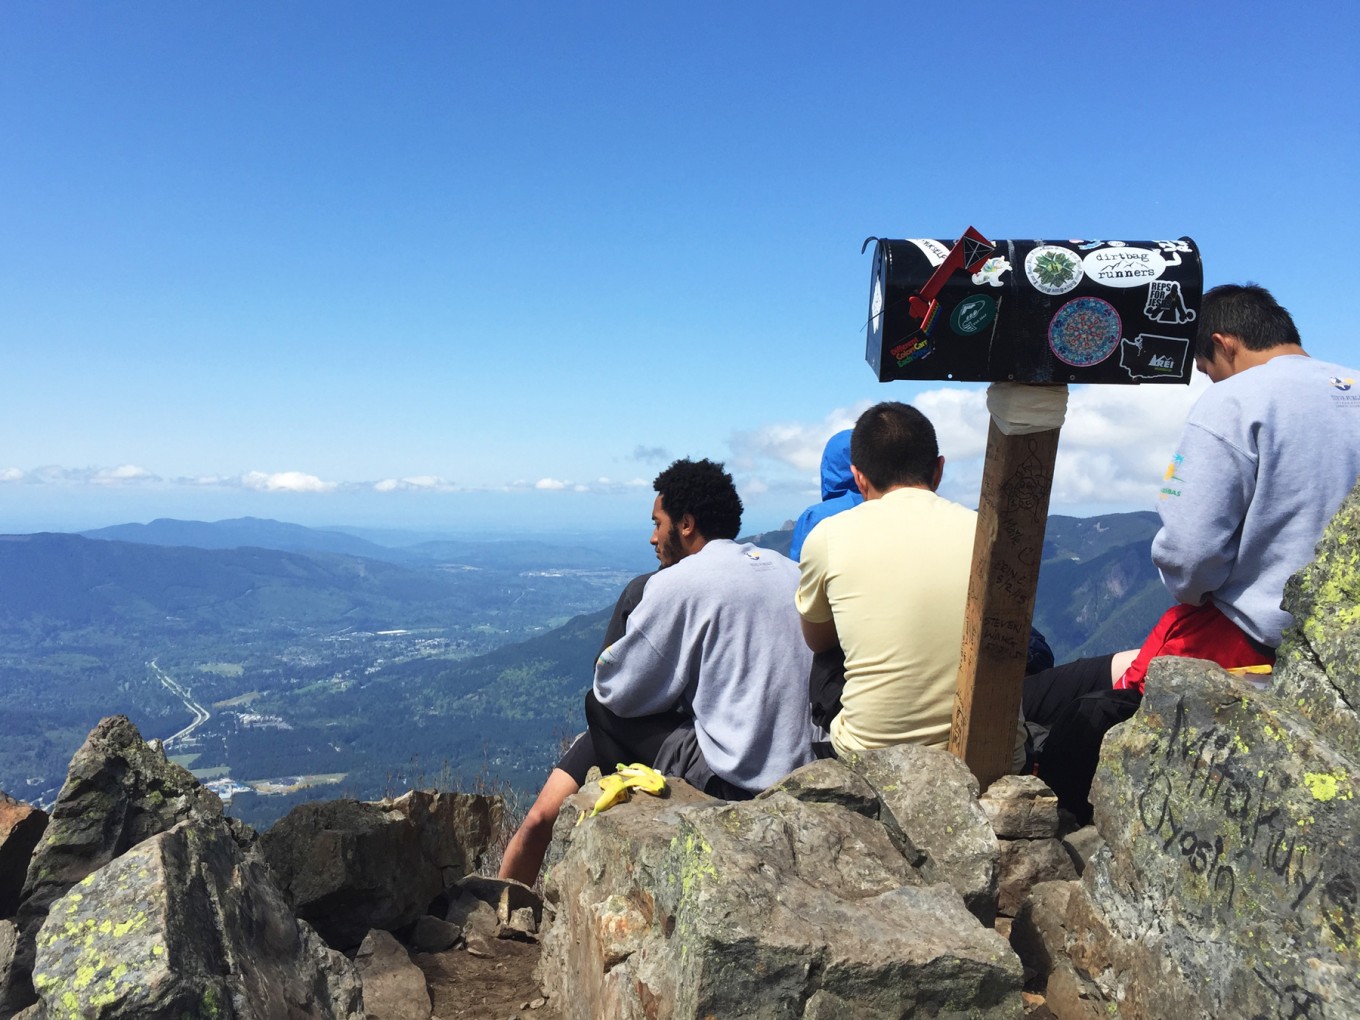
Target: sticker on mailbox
{"points": [[1127, 266], [1148, 356], [1053, 270], [973, 314], [1166, 304], [1084, 332]]}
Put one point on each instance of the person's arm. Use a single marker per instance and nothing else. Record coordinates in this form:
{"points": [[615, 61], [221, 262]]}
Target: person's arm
{"points": [[1204, 500], [814, 608], [820, 637], [623, 608], [647, 670]]}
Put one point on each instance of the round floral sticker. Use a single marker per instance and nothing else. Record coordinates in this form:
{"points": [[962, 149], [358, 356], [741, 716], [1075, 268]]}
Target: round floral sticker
{"points": [[1084, 332], [1053, 270]]}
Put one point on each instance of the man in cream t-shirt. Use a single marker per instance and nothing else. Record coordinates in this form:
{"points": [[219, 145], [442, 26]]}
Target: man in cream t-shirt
{"points": [[888, 580]]}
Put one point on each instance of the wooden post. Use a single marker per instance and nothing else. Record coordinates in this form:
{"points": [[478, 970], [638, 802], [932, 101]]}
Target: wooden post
{"points": [[1017, 479]]}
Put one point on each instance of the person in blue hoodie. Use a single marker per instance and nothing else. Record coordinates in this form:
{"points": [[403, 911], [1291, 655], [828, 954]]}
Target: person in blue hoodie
{"points": [[839, 491]]}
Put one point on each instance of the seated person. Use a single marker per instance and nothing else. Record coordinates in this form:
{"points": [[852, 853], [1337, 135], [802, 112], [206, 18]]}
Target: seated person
{"points": [[887, 581], [1267, 456], [840, 492], [707, 680]]}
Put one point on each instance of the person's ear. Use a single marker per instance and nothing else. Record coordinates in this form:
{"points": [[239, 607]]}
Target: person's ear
{"points": [[1226, 346], [687, 525], [937, 474], [861, 482]]}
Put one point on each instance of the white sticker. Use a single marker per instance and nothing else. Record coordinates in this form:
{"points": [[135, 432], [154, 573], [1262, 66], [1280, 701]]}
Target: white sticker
{"points": [[1166, 304], [933, 250], [1053, 270], [1127, 266], [991, 271]]}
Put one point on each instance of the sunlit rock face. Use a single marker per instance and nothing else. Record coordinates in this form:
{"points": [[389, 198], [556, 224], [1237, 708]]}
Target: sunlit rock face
{"points": [[1230, 881]]}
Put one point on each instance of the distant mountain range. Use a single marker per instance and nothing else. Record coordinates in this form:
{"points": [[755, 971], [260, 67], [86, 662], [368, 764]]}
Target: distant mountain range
{"points": [[314, 652]]}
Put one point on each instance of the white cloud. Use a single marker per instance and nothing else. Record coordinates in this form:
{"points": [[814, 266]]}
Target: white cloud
{"points": [[122, 474], [11, 475], [285, 481], [414, 483], [550, 484], [1115, 444], [795, 444]]}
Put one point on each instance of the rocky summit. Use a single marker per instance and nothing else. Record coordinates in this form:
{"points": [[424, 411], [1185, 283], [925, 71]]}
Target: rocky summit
{"points": [[1221, 879], [1229, 883]]}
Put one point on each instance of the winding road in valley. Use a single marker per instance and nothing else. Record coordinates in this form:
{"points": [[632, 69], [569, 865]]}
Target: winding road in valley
{"points": [[200, 714]]}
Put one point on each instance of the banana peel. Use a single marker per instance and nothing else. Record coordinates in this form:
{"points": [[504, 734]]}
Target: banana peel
{"points": [[1265, 670], [619, 786]]}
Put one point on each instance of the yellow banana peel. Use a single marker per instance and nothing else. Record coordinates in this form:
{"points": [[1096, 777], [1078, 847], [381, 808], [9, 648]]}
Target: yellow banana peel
{"points": [[642, 777], [1251, 670], [619, 786]]}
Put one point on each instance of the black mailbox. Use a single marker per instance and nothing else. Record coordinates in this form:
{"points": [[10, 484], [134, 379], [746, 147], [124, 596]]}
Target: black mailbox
{"points": [[1034, 311]]}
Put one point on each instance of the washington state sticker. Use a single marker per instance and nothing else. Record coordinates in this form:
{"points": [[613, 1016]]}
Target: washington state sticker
{"points": [[1053, 270], [1148, 356], [1084, 332]]}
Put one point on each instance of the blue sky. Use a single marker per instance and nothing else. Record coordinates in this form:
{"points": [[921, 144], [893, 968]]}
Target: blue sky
{"points": [[492, 265]]}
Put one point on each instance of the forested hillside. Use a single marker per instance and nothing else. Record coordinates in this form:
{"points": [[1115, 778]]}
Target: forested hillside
{"points": [[286, 674]]}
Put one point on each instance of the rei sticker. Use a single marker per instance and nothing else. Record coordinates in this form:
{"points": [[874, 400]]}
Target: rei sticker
{"points": [[1147, 356]]}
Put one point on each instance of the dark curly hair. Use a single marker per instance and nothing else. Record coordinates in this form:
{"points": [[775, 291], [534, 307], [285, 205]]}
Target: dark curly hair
{"points": [[704, 490]]}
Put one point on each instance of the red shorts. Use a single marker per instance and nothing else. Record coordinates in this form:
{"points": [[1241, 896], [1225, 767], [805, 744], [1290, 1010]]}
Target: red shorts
{"points": [[1196, 632]]}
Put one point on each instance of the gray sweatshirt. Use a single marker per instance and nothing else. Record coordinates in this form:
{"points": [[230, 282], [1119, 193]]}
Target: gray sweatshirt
{"points": [[1266, 459], [717, 635]]}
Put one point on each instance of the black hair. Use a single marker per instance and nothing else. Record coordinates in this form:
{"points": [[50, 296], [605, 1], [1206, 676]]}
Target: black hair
{"points": [[703, 490], [894, 444], [1246, 311]]}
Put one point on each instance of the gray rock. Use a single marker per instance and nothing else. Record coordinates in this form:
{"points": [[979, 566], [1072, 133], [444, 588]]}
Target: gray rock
{"points": [[1021, 807], [21, 826], [521, 922], [471, 914], [1023, 864], [827, 781], [9, 942], [118, 792], [432, 934], [394, 987], [1039, 937], [1317, 671], [350, 866], [185, 924], [504, 895], [1226, 803], [767, 908], [1081, 845], [934, 800]]}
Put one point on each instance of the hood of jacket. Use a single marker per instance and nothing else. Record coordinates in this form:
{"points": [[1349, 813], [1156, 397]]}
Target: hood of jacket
{"points": [[836, 477]]}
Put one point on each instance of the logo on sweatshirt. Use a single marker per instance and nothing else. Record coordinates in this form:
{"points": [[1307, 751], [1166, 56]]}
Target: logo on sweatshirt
{"points": [[1341, 384], [1171, 476]]}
